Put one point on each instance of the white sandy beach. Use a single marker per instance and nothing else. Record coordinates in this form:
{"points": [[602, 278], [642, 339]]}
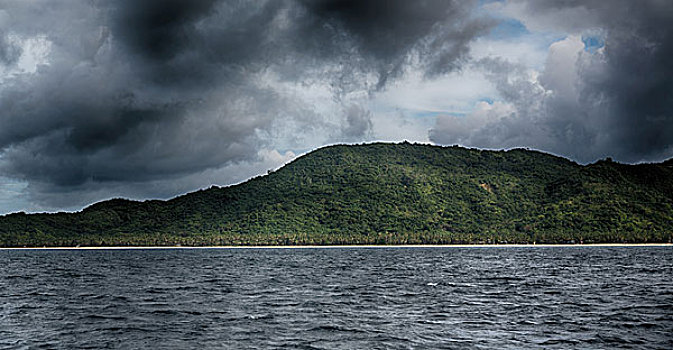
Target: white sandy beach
{"points": [[363, 246]]}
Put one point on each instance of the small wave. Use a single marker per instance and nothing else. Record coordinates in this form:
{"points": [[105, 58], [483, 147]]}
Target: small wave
{"points": [[259, 317], [124, 330], [335, 328], [164, 312], [431, 322], [42, 294], [103, 317], [614, 339], [478, 322], [559, 342], [23, 277]]}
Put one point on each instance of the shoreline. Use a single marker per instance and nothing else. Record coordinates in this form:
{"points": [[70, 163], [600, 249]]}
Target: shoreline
{"points": [[596, 245]]}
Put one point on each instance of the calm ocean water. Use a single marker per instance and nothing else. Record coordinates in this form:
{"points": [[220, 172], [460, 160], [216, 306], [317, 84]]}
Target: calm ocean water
{"points": [[340, 298]]}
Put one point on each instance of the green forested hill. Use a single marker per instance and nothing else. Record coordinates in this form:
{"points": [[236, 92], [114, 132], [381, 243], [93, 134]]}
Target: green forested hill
{"points": [[387, 193]]}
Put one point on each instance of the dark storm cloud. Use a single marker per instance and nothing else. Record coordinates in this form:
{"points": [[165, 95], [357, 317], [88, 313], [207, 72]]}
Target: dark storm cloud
{"points": [[390, 33], [632, 82], [110, 107], [144, 91], [159, 29], [198, 44], [615, 102], [638, 86]]}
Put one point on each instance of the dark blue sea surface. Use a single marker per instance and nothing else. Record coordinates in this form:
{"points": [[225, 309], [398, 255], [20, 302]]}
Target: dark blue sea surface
{"points": [[338, 298]]}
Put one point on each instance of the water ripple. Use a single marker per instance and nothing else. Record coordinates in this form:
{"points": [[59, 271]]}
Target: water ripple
{"points": [[455, 298]]}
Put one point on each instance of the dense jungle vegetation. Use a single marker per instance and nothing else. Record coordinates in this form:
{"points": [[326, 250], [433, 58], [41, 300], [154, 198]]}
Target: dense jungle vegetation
{"points": [[386, 194]]}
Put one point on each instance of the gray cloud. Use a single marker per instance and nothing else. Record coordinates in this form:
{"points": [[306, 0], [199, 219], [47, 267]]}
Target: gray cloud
{"points": [[146, 92], [615, 102], [358, 124], [9, 52]]}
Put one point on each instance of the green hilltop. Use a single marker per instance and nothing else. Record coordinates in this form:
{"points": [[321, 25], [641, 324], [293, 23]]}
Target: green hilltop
{"points": [[386, 194]]}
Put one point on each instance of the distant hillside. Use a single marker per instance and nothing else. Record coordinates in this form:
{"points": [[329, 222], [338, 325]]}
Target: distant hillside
{"points": [[387, 194]]}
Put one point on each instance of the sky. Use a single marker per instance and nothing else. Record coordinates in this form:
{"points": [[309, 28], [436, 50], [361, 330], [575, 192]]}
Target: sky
{"points": [[156, 98]]}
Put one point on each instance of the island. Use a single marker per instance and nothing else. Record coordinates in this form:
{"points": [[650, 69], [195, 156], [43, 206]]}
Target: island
{"points": [[385, 194]]}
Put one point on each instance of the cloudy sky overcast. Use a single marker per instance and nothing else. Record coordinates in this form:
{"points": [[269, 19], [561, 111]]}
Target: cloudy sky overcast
{"points": [[151, 99]]}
